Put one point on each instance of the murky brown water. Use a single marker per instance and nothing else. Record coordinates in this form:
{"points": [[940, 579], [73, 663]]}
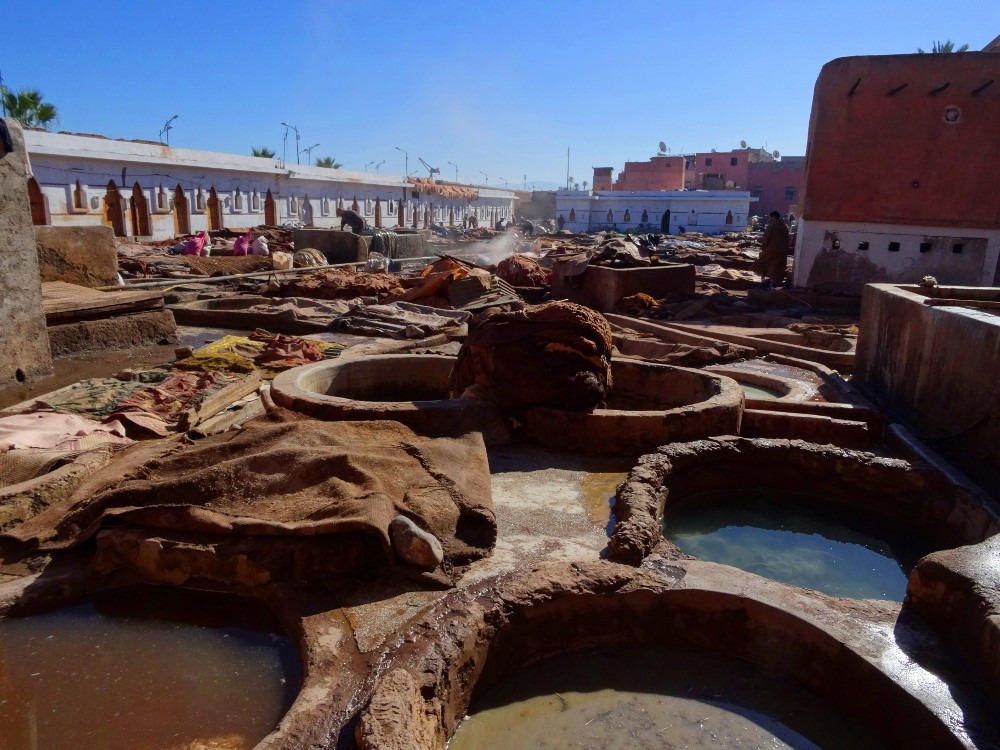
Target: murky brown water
{"points": [[598, 489], [653, 700], [145, 669]]}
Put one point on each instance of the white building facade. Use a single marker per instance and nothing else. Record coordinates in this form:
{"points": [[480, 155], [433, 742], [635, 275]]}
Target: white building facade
{"points": [[150, 190], [667, 211]]}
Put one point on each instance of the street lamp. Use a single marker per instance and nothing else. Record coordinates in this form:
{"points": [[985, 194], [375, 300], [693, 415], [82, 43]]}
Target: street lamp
{"points": [[487, 182], [309, 152], [167, 127], [406, 167], [298, 137], [379, 165], [368, 165], [456, 169], [504, 180]]}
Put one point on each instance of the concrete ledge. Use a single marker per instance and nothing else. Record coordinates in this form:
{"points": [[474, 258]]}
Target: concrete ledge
{"points": [[601, 287], [117, 332], [338, 246], [764, 422]]}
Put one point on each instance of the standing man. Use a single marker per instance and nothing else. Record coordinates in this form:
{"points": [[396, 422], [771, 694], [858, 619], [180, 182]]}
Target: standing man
{"points": [[351, 219], [773, 252]]}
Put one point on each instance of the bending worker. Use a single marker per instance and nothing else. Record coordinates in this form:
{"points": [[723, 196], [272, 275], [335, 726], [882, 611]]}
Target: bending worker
{"points": [[773, 252], [351, 219]]}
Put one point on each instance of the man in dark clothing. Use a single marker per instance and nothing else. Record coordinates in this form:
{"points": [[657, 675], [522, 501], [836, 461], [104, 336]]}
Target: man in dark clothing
{"points": [[351, 219], [773, 252]]}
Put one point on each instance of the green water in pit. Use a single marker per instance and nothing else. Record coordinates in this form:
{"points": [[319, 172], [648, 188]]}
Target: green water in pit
{"points": [[794, 538], [144, 669], [756, 391], [653, 699]]}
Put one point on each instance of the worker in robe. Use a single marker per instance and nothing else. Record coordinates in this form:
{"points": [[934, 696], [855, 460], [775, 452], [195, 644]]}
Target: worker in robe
{"points": [[352, 219], [773, 252]]}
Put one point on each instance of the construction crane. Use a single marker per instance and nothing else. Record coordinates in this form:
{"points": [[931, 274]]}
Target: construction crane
{"points": [[431, 171]]}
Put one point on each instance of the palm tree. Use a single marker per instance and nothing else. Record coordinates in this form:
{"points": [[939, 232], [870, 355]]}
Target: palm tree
{"points": [[263, 151], [328, 161], [948, 46], [27, 106]]}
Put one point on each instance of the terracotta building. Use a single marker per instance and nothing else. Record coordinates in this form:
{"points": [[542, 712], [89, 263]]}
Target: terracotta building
{"points": [[777, 185], [902, 172]]}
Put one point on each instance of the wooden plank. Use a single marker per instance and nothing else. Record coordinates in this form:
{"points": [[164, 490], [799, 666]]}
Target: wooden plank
{"points": [[63, 302], [219, 401]]}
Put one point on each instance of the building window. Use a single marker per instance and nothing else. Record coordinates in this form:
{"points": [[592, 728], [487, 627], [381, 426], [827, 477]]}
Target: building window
{"points": [[79, 197], [957, 247], [161, 199], [238, 200], [733, 161], [893, 247], [708, 161], [863, 245], [611, 216], [628, 216], [572, 214], [789, 194], [199, 200], [255, 201], [925, 247], [645, 216]]}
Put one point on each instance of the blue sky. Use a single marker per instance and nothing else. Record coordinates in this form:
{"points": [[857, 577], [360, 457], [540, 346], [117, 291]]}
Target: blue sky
{"points": [[496, 88]]}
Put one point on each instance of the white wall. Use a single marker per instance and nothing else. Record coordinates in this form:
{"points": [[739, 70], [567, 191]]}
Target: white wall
{"points": [[59, 161], [700, 211], [832, 255]]}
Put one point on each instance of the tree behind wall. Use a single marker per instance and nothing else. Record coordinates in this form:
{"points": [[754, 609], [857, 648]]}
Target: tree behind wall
{"points": [[329, 162], [262, 151], [28, 107], [940, 47]]}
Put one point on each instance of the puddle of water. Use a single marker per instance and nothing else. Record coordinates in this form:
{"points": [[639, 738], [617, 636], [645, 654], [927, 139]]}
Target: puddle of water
{"points": [[599, 490], [760, 392], [144, 670], [797, 539], [653, 699]]}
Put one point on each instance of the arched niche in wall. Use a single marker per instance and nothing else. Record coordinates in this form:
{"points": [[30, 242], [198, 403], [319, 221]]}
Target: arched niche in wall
{"points": [[114, 209], [182, 211], [270, 210], [39, 212], [214, 207], [139, 207]]}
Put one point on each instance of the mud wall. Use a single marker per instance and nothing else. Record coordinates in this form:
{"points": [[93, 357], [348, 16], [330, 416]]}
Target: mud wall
{"points": [[936, 368], [77, 255], [25, 352]]}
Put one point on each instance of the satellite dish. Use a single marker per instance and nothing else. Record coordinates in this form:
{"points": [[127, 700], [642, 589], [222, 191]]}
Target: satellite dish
{"points": [[743, 144], [730, 184], [713, 151], [663, 147], [775, 154]]}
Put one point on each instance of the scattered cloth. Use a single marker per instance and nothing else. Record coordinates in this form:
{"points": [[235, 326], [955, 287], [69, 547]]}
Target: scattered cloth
{"points": [[242, 244], [400, 320], [286, 478], [261, 351], [557, 354], [341, 283]]}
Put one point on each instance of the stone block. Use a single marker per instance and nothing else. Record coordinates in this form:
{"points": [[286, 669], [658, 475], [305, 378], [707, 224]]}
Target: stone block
{"points": [[602, 288], [25, 354], [78, 255], [337, 246]]}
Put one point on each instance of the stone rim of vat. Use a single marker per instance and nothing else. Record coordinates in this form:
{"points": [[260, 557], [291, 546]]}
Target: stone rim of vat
{"points": [[715, 407], [787, 388], [716, 410], [472, 639], [891, 487], [305, 389]]}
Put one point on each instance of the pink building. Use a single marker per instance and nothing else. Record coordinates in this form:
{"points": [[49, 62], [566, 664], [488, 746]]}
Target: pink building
{"points": [[726, 170], [659, 173], [777, 185]]}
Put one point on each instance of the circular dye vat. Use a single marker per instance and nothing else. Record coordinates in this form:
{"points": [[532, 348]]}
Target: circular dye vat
{"points": [[646, 698], [759, 392], [798, 539], [144, 669]]}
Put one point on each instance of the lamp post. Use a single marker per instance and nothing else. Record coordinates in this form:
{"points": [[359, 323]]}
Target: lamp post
{"points": [[167, 127], [379, 165], [309, 152], [487, 182], [504, 181], [406, 167], [368, 165], [298, 138], [456, 169]]}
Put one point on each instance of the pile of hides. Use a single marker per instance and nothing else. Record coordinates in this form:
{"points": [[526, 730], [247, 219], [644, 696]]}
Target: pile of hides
{"points": [[400, 320], [262, 350], [557, 354], [33, 444], [308, 257], [432, 286], [618, 252], [341, 283], [522, 270], [280, 478], [384, 243], [430, 186]]}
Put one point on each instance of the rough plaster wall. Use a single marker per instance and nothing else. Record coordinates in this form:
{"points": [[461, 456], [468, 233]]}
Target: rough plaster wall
{"points": [[25, 351], [77, 255]]}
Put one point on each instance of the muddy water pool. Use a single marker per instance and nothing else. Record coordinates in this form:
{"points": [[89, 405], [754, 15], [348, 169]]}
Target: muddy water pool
{"points": [[653, 699], [797, 539], [756, 391], [144, 669]]}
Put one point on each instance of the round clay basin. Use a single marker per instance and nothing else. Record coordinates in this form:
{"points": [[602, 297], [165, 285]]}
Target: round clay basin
{"points": [[473, 640], [407, 388], [915, 499], [775, 388], [650, 405]]}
